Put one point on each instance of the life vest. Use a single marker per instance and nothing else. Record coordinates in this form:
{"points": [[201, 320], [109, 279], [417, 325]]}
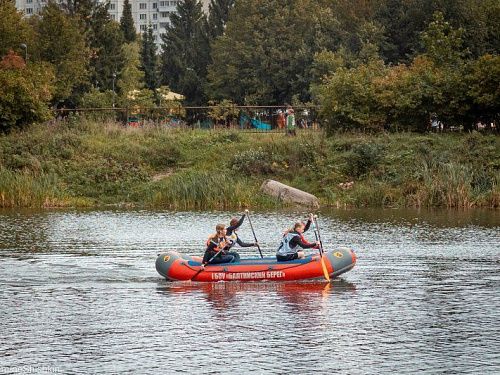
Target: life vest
{"points": [[221, 244], [233, 238], [284, 247]]}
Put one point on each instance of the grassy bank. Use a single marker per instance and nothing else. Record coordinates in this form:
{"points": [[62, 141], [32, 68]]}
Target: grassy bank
{"points": [[84, 163]]}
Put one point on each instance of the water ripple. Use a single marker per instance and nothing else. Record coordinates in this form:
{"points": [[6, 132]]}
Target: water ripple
{"points": [[79, 294]]}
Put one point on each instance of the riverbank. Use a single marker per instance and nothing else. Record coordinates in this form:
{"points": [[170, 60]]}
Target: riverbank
{"points": [[82, 163]]}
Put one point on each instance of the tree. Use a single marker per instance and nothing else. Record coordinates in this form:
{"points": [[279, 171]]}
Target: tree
{"points": [[218, 15], [14, 30], [61, 42], [106, 40], [484, 89], [442, 43], [266, 52], [148, 59], [349, 98], [131, 76], [185, 52], [127, 23], [26, 92]]}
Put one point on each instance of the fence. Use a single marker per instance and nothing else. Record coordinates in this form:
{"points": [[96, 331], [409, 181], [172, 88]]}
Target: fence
{"points": [[248, 118]]}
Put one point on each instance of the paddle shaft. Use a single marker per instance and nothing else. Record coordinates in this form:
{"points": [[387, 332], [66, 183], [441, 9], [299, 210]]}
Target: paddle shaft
{"points": [[254, 236], [321, 250], [201, 269], [317, 239]]}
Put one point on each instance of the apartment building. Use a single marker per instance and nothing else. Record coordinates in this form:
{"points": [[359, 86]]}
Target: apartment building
{"points": [[145, 12]]}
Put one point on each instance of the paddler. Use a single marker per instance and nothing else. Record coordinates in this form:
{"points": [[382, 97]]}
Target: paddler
{"points": [[293, 242]]}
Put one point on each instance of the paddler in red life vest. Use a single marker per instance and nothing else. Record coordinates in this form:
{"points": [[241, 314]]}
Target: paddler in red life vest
{"points": [[292, 242], [218, 244], [234, 239]]}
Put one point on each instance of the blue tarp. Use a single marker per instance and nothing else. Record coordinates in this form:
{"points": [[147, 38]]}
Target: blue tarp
{"points": [[261, 125]]}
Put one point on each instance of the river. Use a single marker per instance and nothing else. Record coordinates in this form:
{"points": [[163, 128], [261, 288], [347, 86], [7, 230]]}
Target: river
{"points": [[79, 294]]}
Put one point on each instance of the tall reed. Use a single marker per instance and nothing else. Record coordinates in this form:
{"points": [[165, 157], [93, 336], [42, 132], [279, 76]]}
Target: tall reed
{"points": [[24, 189]]}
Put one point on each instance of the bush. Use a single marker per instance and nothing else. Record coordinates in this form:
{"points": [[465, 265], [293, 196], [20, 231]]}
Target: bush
{"points": [[252, 162], [25, 93], [363, 158]]}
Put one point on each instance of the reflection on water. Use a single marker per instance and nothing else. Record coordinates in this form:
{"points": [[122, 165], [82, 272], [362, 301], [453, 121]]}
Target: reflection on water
{"points": [[79, 289], [301, 296]]}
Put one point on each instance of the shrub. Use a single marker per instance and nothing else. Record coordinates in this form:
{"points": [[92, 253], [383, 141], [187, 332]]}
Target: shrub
{"points": [[362, 158], [252, 162]]}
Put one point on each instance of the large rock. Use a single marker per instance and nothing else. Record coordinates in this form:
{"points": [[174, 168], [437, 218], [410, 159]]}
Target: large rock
{"points": [[289, 194]]}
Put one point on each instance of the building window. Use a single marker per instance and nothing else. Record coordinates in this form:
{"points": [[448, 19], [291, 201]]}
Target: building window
{"points": [[142, 16], [163, 3], [163, 25], [143, 27], [112, 16], [143, 6], [29, 10], [155, 16], [29, 1], [155, 27], [165, 14], [155, 5], [112, 6]]}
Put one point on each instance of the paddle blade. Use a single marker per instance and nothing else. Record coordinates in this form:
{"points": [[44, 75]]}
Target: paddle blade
{"points": [[325, 271]]}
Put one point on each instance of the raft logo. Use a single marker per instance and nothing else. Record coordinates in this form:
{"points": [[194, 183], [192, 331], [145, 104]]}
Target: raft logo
{"points": [[166, 258], [338, 254], [248, 275]]}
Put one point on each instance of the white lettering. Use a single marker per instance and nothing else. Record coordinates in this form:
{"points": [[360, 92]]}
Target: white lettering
{"points": [[257, 275]]}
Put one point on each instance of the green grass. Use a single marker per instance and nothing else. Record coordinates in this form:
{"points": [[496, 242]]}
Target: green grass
{"points": [[85, 163]]}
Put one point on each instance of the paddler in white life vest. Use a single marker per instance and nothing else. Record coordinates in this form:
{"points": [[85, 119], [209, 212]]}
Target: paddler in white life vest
{"points": [[216, 245], [234, 239], [292, 242]]}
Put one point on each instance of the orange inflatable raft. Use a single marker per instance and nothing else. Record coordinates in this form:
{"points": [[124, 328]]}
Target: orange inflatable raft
{"points": [[175, 266]]}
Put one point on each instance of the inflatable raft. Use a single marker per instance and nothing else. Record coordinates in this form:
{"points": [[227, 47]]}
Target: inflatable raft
{"points": [[180, 267]]}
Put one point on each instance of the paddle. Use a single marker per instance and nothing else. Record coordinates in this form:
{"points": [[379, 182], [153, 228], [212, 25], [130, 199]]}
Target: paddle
{"points": [[202, 268], [254, 236], [321, 251]]}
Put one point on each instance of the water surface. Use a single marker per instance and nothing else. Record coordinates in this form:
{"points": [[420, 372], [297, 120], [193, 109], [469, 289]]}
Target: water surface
{"points": [[79, 294]]}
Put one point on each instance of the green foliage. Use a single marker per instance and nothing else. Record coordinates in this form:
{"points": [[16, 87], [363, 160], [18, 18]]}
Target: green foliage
{"points": [[185, 52], [94, 162], [484, 88], [265, 53], [218, 15], [442, 43], [131, 77], [143, 98], [363, 158], [253, 162], [127, 23], [97, 99], [14, 30], [440, 82], [26, 93], [26, 189], [105, 40], [149, 59], [349, 98], [61, 42], [200, 190], [223, 111]]}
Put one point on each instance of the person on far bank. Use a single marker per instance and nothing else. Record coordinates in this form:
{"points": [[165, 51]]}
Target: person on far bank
{"points": [[293, 242], [290, 122], [234, 239], [281, 119], [215, 252]]}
